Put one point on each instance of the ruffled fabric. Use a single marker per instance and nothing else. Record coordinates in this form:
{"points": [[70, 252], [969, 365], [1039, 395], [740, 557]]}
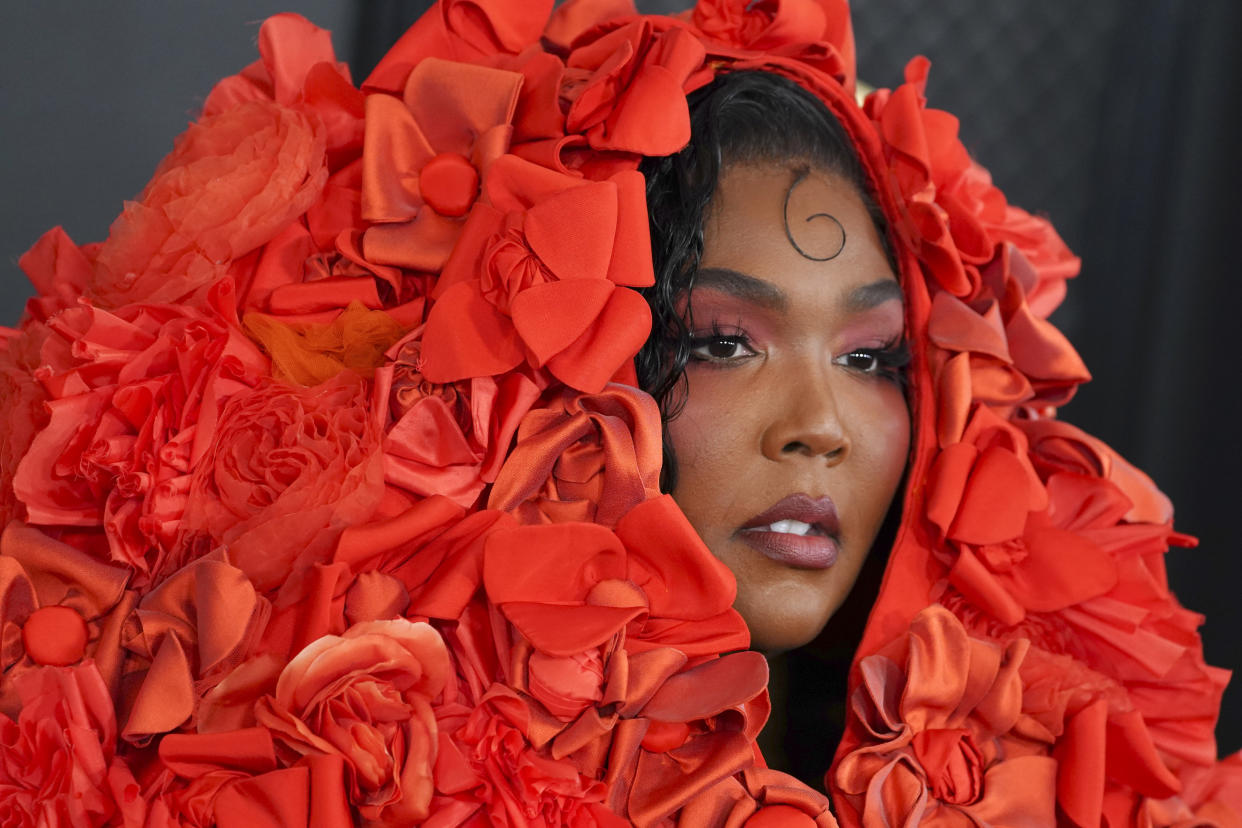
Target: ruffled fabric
{"points": [[328, 498]]}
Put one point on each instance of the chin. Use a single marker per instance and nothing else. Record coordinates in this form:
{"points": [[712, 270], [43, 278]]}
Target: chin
{"points": [[784, 616]]}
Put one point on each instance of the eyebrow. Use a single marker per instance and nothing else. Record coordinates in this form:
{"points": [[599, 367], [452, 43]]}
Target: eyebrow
{"points": [[873, 295], [743, 286]]}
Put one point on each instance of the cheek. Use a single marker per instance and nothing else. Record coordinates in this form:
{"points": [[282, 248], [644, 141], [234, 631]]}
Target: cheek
{"points": [[884, 444], [709, 437]]}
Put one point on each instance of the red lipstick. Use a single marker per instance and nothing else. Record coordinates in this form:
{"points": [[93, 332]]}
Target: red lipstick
{"points": [[799, 531]]}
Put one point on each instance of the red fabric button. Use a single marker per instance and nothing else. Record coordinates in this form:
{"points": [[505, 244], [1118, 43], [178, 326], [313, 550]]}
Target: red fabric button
{"points": [[55, 636], [449, 183]]}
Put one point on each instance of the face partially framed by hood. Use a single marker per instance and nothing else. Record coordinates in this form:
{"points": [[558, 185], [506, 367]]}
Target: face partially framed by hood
{"points": [[501, 617]]}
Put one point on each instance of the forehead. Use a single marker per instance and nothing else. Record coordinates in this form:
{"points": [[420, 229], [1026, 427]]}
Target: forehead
{"points": [[791, 226]]}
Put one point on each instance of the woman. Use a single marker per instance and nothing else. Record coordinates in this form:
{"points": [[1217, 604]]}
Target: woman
{"points": [[335, 499]]}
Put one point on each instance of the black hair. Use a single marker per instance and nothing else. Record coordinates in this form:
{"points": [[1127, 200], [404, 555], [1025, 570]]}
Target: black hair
{"points": [[746, 117]]}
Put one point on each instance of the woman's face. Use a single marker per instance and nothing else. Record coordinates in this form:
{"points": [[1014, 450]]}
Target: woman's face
{"points": [[793, 438]]}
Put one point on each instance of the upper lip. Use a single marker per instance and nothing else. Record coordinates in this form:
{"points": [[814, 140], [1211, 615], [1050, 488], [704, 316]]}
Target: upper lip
{"points": [[817, 511]]}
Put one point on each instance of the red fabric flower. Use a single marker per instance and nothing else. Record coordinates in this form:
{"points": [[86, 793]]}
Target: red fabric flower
{"points": [[425, 155], [134, 399], [232, 183], [447, 439], [631, 97], [366, 696], [22, 399], [184, 636], [615, 638], [954, 218], [514, 290], [817, 32], [591, 457], [471, 31], [934, 711], [297, 68], [288, 470], [759, 798], [58, 605], [489, 773], [58, 762]]}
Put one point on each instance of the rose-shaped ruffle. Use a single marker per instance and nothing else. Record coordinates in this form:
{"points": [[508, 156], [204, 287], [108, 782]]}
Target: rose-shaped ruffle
{"points": [[590, 458], [58, 762], [134, 399], [233, 182], [366, 696], [516, 289], [447, 439], [933, 711], [488, 770], [288, 470]]}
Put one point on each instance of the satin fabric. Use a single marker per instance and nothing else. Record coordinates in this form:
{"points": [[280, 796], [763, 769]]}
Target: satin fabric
{"points": [[329, 499]]}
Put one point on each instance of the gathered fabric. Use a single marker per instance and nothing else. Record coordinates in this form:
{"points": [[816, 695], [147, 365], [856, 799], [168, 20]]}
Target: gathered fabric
{"points": [[329, 498]]}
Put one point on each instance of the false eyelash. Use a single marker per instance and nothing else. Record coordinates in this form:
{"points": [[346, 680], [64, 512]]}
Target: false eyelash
{"points": [[894, 358]]}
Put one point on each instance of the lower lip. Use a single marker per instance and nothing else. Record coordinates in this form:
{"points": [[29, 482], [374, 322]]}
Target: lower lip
{"points": [[801, 551]]}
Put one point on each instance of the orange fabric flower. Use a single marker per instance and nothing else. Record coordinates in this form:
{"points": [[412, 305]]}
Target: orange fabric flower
{"points": [[58, 762], [366, 696], [591, 458], [515, 291], [288, 470], [934, 709]]}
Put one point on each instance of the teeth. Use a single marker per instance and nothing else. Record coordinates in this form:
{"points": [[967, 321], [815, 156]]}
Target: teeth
{"points": [[790, 527]]}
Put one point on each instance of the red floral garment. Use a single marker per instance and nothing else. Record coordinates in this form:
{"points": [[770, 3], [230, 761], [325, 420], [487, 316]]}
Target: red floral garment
{"points": [[328, 499]]}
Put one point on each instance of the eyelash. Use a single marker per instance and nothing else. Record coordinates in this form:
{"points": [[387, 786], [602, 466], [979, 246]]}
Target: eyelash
{"points": [[888, 361]]}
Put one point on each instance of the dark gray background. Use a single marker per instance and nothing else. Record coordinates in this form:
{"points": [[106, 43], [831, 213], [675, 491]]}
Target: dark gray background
{"points": [[1115, 119]]}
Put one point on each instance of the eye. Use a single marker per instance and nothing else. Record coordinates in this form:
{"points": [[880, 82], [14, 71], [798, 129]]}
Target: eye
{"points": [[868, 362], [720, 348], [888, 361]]}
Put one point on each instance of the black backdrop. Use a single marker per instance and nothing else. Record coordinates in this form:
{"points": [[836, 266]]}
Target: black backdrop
{"points": [[1115, 119]]}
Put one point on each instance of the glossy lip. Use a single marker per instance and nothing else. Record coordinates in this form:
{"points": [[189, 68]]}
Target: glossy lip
{"points": [[817, 551]]}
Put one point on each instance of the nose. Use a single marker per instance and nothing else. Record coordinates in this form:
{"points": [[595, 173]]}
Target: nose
{"points": [[806, 421]]}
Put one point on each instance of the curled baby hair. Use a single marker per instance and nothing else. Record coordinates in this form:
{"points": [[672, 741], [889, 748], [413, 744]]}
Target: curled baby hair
{"points": [[746, 117]]}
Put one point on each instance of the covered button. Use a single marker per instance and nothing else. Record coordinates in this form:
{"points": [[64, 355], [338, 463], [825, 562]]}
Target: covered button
{"points": [[55, 636], [449, 183]]}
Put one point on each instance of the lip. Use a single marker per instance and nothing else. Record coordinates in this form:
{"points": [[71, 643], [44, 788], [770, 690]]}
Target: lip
{"points": [[817, 551]]}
